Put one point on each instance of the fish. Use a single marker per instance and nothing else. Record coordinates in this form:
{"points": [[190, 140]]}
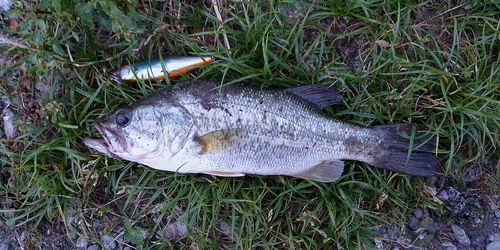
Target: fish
{"points": [[157, 69], [206, 128]]}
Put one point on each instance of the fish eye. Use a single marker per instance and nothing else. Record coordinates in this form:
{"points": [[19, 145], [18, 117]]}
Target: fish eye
{"points": [[123, 118]]}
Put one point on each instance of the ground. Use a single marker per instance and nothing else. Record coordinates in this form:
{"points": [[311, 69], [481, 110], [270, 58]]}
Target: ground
{"points": [[393, 61]]}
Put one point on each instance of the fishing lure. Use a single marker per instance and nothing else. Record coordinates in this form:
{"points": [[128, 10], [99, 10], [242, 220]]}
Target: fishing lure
{"points": [[157, 69]]}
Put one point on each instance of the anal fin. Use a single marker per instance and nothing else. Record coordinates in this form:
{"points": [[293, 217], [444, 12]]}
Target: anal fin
{"points": [[224, 174], [325, 171]]}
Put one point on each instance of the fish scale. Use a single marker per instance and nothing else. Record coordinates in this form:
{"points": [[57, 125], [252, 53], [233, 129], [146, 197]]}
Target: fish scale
{"points": [[201, 127], [269, 128]]}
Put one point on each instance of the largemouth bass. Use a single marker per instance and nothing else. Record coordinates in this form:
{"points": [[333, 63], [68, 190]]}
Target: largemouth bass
{"points": [[201, 127]]}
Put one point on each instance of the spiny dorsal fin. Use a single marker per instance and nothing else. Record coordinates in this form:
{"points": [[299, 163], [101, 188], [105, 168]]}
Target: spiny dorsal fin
{"points": [[320, 95], [325, 171], [220, 140]]}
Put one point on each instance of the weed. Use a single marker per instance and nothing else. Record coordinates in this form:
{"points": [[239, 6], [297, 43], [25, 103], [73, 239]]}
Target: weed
{"points": [[394, 62]]}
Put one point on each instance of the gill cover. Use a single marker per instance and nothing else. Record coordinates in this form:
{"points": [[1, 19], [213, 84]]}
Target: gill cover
{"points": [[155, 132]]}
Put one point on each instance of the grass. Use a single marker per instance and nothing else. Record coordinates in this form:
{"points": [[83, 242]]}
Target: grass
{"points": [[393, 61]]}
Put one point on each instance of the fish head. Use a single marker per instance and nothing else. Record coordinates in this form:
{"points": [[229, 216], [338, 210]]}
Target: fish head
{"points": [[148, 134]]}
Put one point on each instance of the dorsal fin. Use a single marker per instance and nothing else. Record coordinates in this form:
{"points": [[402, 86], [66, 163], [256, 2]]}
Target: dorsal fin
{"points": [[320, 95]]}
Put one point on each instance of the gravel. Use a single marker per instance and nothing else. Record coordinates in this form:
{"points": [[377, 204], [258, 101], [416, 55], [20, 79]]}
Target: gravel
{"points": [[474, 216], [427, 230]]}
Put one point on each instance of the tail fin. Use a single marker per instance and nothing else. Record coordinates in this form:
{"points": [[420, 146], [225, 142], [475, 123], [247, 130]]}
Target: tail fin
{"points": [[407, 149]]}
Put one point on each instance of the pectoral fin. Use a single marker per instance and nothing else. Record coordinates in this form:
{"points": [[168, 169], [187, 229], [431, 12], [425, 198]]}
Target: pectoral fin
{"points": [[326, 171], [224, 174], [220, 140]]}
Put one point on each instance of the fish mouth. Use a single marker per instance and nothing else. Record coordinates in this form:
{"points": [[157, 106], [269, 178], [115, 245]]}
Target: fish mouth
{"points": [[110, 143], [98, 144]]}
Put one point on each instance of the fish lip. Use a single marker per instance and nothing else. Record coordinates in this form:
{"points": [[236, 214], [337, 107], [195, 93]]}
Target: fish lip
{"points": [[102, 132], [98, 144], [105, 142]]}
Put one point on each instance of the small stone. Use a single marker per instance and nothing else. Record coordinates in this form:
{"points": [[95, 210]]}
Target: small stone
{"points": [[477, 240], [71, 219], [144, 232], [6, 246], [448, 246], [224, 228], [414, 222], [81, 242], [497, 213], [96, 226], [494, 237], [460, 235], [173, 230], [382, 230], [495, 245], [418, 213], [5, 5], [443, 195], [9, 123], [379, 244], [496, 223], [440, 224], [23, 236], [108, 242], [94, 247]]}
